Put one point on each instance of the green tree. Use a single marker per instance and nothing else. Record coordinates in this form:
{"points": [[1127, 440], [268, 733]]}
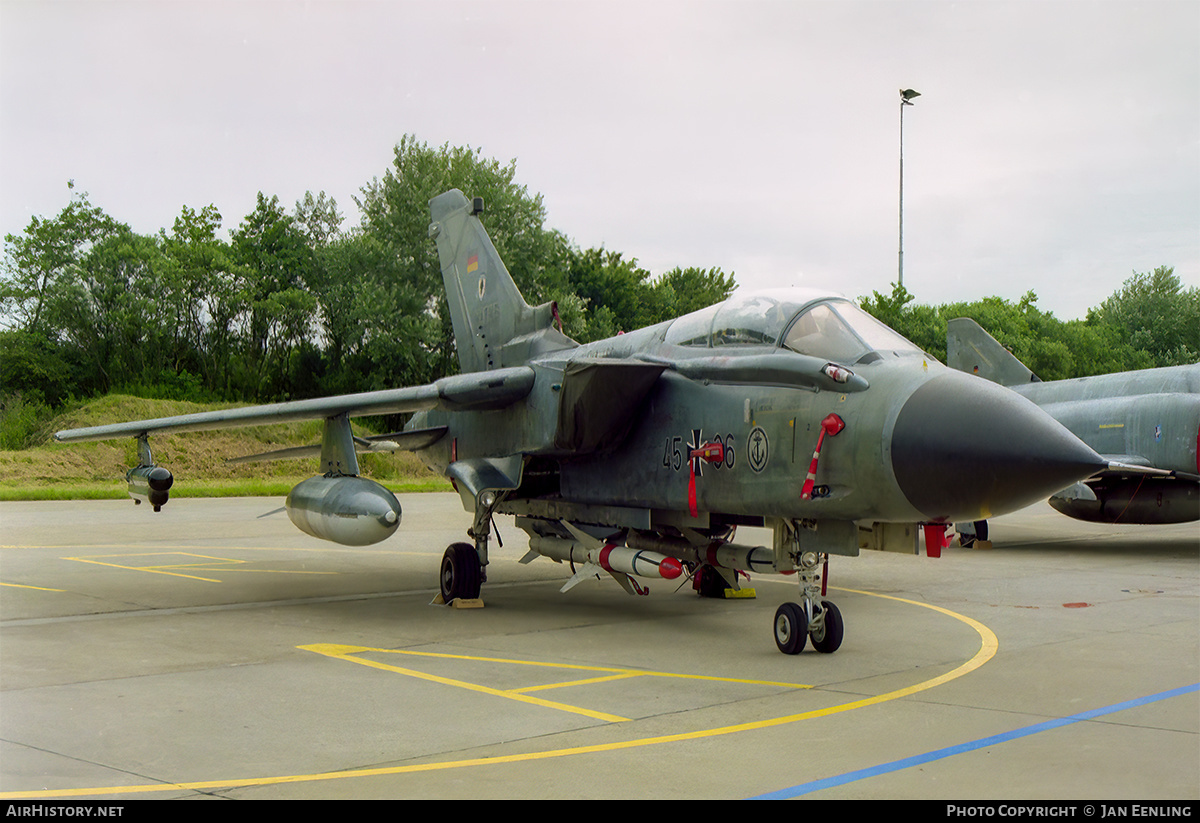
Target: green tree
{"points": [[34, 367], [114, 312], [621, 296], [923, 325], [273, 262], [39, 261], [292, 305], [396, 212], [1152, 321], [200, 278], [376, 328], [1155, 314], [605, 279], [1097, 348], [696, 288], [888, 309], [318, 217]]}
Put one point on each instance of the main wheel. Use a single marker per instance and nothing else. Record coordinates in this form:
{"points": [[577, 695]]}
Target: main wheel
{"points": [[461, 574], [831, 631], [791, 628], [711, 582]]}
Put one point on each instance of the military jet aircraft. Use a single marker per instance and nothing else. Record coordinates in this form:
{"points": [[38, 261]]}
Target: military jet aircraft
{"points": [[1145, 423], [639, 456]]}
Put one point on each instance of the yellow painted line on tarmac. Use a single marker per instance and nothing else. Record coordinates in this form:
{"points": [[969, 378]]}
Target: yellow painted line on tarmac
{"points": [[223, 564], [39, 588], [147, 569], [988, 646], [340, 651], [590, 681], [346, 652]]}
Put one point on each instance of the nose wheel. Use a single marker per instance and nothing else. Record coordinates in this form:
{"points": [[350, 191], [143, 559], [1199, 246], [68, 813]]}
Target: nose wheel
{"points": [[793, 628], [827, 634]]}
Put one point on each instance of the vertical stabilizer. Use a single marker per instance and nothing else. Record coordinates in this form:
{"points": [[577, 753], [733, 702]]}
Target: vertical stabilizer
{"points": [[970, 349], [493, 325]]}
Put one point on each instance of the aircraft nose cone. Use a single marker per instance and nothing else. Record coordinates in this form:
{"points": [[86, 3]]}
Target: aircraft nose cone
{"points": [[967, 449]]}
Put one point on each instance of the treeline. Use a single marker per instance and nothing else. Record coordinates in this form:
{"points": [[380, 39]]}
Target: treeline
{"points": [[1151, 321], [293, 304]]}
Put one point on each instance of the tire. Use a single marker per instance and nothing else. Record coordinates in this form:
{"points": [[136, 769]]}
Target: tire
{"points": [[832, 630], [711, 583], [791, 628], [461, 575]]}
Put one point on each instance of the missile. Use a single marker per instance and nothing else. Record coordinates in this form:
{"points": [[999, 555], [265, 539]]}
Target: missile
{"points": [[618, 559], [734, 556], [149, 483], [350, 510], [740, 557]]}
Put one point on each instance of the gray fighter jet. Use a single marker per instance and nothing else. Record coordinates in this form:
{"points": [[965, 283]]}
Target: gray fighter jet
{"points": [[639, 456], [1145, 423]]}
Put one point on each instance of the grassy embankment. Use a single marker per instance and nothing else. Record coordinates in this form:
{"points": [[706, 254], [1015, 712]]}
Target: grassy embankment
{"points": [[61, 471]]}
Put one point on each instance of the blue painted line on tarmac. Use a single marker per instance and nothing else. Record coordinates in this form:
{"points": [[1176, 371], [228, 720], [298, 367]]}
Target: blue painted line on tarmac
{"points": [[928, 757]]}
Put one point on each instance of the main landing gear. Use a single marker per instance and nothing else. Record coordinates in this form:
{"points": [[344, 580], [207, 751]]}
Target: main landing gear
{"points": [[464, 566], [812, 618], [461, 574]]}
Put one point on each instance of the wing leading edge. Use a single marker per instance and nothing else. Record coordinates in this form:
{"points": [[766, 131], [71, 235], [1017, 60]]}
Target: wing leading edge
{"points": [[478, 391]]}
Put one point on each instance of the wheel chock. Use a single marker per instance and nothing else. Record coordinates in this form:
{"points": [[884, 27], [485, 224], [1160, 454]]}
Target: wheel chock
{"points": [[458, 602], [741, 594]]}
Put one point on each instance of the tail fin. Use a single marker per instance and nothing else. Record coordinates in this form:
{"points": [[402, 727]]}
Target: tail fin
{"points": [[493, 325], [970, 349]]}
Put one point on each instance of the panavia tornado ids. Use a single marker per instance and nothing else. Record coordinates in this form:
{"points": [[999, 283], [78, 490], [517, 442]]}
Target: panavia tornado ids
{"points": [[638, 456]]}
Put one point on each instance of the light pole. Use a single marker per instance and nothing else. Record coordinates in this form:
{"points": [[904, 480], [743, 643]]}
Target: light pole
{"points": [[906, 96]]}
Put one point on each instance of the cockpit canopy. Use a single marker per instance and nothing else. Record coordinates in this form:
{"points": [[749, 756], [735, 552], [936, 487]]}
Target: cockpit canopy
{"points": [[831, 328]]}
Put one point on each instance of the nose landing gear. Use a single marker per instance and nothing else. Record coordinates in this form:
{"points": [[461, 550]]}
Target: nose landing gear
{"points": [[812, 617]]}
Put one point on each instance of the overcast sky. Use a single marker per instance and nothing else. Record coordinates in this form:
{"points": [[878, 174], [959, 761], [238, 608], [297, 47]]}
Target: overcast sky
{"points": [[1055, 145]]}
